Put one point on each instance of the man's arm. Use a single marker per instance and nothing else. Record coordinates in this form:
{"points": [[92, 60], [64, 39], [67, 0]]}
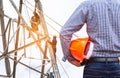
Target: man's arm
{"points": [[74, 24]]}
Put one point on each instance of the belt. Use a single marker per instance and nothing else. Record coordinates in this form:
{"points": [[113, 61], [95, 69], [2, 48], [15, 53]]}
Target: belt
{"points": [[103, 59]]}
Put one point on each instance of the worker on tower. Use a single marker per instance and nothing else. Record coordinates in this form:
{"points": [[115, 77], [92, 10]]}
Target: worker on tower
{"points": [[54, 43], [35, 21]]}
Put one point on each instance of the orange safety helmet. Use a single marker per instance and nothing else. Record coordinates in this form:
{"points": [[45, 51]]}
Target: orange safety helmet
{"points": [[78, 48]]}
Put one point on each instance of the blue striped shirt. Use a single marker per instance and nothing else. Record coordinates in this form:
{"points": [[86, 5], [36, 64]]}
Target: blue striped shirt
{"points": [[102, 18]]}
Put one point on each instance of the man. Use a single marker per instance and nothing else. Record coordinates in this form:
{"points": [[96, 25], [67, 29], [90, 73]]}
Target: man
{"points": [[54, 44], [35, 21], [102, 18]]}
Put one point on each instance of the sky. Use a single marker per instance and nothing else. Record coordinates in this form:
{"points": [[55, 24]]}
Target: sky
{"points": [[59, 11]]}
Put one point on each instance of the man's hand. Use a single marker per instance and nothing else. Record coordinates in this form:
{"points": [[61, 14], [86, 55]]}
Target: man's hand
{"points": [[74, 62]]}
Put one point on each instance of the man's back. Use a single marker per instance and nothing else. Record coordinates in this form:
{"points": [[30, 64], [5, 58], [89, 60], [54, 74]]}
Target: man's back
{"points": [[104, 27]]}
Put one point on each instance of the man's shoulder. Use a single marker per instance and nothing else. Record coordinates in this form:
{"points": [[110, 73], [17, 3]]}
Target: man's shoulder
{"points": [[93, 2]]}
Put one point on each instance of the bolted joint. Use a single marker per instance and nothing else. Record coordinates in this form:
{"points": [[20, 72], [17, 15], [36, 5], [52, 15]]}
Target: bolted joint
{"points": [[1, 13], [36, 0]]}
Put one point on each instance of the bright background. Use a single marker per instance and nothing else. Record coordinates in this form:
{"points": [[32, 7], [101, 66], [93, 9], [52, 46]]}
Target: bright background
{"points": [[59, 11]]}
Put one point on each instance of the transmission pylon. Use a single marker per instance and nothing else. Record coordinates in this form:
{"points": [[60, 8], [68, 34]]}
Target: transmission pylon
{"points": [[16, 46]]}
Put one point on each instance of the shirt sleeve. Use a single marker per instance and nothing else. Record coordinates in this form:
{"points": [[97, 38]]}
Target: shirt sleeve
{"points": [[74, 24]]}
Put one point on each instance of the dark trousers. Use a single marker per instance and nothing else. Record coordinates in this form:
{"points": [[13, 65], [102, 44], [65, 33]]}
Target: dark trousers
{"points": [[102, 70]]}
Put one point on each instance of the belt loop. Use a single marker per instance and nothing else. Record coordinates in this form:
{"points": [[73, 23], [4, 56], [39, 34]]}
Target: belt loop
{"points": [[119, 60], [106, 61]]}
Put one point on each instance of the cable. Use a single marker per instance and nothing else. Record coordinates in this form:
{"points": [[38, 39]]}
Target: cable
{"points": [[63, 68], [53, 20], [29, 3], [52, 27], [27, 9]]}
